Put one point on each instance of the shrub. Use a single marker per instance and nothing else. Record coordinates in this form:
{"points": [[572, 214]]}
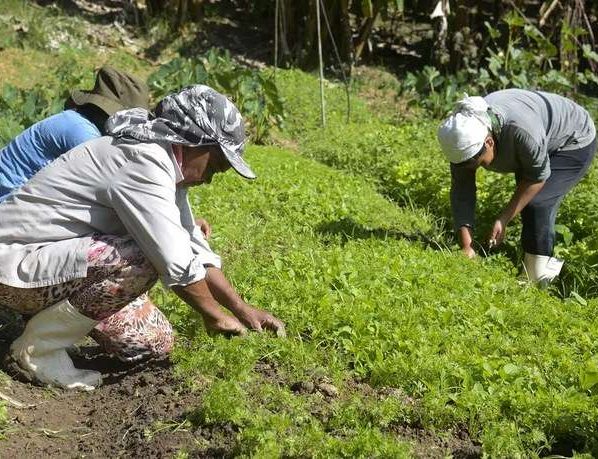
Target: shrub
{"points": [[253, 91]]}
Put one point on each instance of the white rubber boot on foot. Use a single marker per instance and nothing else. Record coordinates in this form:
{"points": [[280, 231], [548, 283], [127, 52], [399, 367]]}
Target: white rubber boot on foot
{"points": [[541, 269], [41, 350]]}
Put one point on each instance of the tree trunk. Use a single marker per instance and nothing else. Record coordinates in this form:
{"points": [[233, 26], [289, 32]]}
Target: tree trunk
{"points": [[364, 32], [181, 16]]}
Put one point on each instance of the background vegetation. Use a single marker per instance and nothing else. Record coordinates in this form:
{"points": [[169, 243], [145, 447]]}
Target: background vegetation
{"points": [[345, 236]]}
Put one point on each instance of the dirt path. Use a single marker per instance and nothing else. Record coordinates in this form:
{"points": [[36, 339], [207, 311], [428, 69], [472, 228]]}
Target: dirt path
{"points": [[138, 412]]}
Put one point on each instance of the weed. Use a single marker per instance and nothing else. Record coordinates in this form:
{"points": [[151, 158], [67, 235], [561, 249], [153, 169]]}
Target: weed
{"points": [[3, 418]]}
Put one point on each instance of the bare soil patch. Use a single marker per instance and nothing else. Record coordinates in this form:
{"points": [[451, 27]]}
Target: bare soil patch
{"points": [[139, 411]]}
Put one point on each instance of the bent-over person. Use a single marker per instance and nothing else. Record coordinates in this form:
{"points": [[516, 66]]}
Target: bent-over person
{"points": [[546, 140]]}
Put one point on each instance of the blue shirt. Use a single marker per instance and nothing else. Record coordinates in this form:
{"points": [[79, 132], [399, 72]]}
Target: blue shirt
{"points": [[41, 144]]}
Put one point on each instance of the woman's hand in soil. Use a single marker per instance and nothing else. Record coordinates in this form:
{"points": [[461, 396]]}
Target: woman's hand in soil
{"points": [[226, 325], [204, 226], [259, 320]]}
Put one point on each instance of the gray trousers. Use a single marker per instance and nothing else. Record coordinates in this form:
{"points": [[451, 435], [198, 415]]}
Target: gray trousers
{"points": [[567, 168]]}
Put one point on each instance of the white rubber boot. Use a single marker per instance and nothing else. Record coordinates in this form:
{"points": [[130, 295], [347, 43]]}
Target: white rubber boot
{"points": [[541, 269], [41, 350]]}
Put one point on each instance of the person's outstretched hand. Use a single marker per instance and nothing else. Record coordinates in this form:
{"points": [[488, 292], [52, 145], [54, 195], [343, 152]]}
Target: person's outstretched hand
{"points": [[204, 226], [225, 324], [259, 320], [497, 234], [468, 251]]}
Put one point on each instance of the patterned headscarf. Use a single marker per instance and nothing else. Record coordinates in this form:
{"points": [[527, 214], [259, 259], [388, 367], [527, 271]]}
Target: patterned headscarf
{"points": [[197, 115]]}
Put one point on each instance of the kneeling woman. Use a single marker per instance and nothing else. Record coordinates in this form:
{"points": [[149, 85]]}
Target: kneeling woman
{"points": [[546, 140], [91, 233]]}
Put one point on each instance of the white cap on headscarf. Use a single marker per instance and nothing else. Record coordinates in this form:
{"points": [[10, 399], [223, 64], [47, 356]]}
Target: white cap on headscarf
{"points": [[463, 133]]}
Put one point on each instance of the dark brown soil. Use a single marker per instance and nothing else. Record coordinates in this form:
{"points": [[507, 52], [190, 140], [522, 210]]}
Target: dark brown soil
{"points": [[138, 412]]}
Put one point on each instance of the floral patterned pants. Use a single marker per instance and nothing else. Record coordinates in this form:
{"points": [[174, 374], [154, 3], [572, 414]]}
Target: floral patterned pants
{"points": [[114, 293]]}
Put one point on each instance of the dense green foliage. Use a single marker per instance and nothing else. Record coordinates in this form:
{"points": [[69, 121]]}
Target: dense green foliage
{"points": [[404, 161], [387, 327], [292, 233], [254, 92], [364, 302], [518, 55]]}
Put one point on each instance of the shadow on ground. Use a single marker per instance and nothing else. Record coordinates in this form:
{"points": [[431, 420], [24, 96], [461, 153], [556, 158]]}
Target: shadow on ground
{"points": [[348, 229]]}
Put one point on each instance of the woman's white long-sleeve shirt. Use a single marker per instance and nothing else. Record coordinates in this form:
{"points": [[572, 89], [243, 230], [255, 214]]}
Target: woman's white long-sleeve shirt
{"points": [[104, 186]]}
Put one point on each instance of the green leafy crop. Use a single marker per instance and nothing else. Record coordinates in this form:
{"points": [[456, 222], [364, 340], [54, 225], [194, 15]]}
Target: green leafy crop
{"points": [[405, 163], [367, 297]]}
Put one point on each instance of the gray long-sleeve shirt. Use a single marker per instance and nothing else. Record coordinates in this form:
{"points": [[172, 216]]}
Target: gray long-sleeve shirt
{"points": [[533, 127], [102, 186]]}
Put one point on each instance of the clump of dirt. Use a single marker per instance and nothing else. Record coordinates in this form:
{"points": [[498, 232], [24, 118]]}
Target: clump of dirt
{"points": [[139, 411]]}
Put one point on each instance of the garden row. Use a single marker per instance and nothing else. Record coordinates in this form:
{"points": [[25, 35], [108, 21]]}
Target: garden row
{"points": [[404, 160], [407, 333], [388, 331]]}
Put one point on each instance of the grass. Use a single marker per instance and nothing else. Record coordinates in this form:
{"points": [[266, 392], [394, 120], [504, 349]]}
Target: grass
{"points": [[38, 42], [461, 338], [387, 328]]}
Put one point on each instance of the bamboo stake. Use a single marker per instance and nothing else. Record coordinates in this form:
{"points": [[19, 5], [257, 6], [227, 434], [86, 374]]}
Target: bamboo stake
{"points": [[322, 101], [276, 14]]}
